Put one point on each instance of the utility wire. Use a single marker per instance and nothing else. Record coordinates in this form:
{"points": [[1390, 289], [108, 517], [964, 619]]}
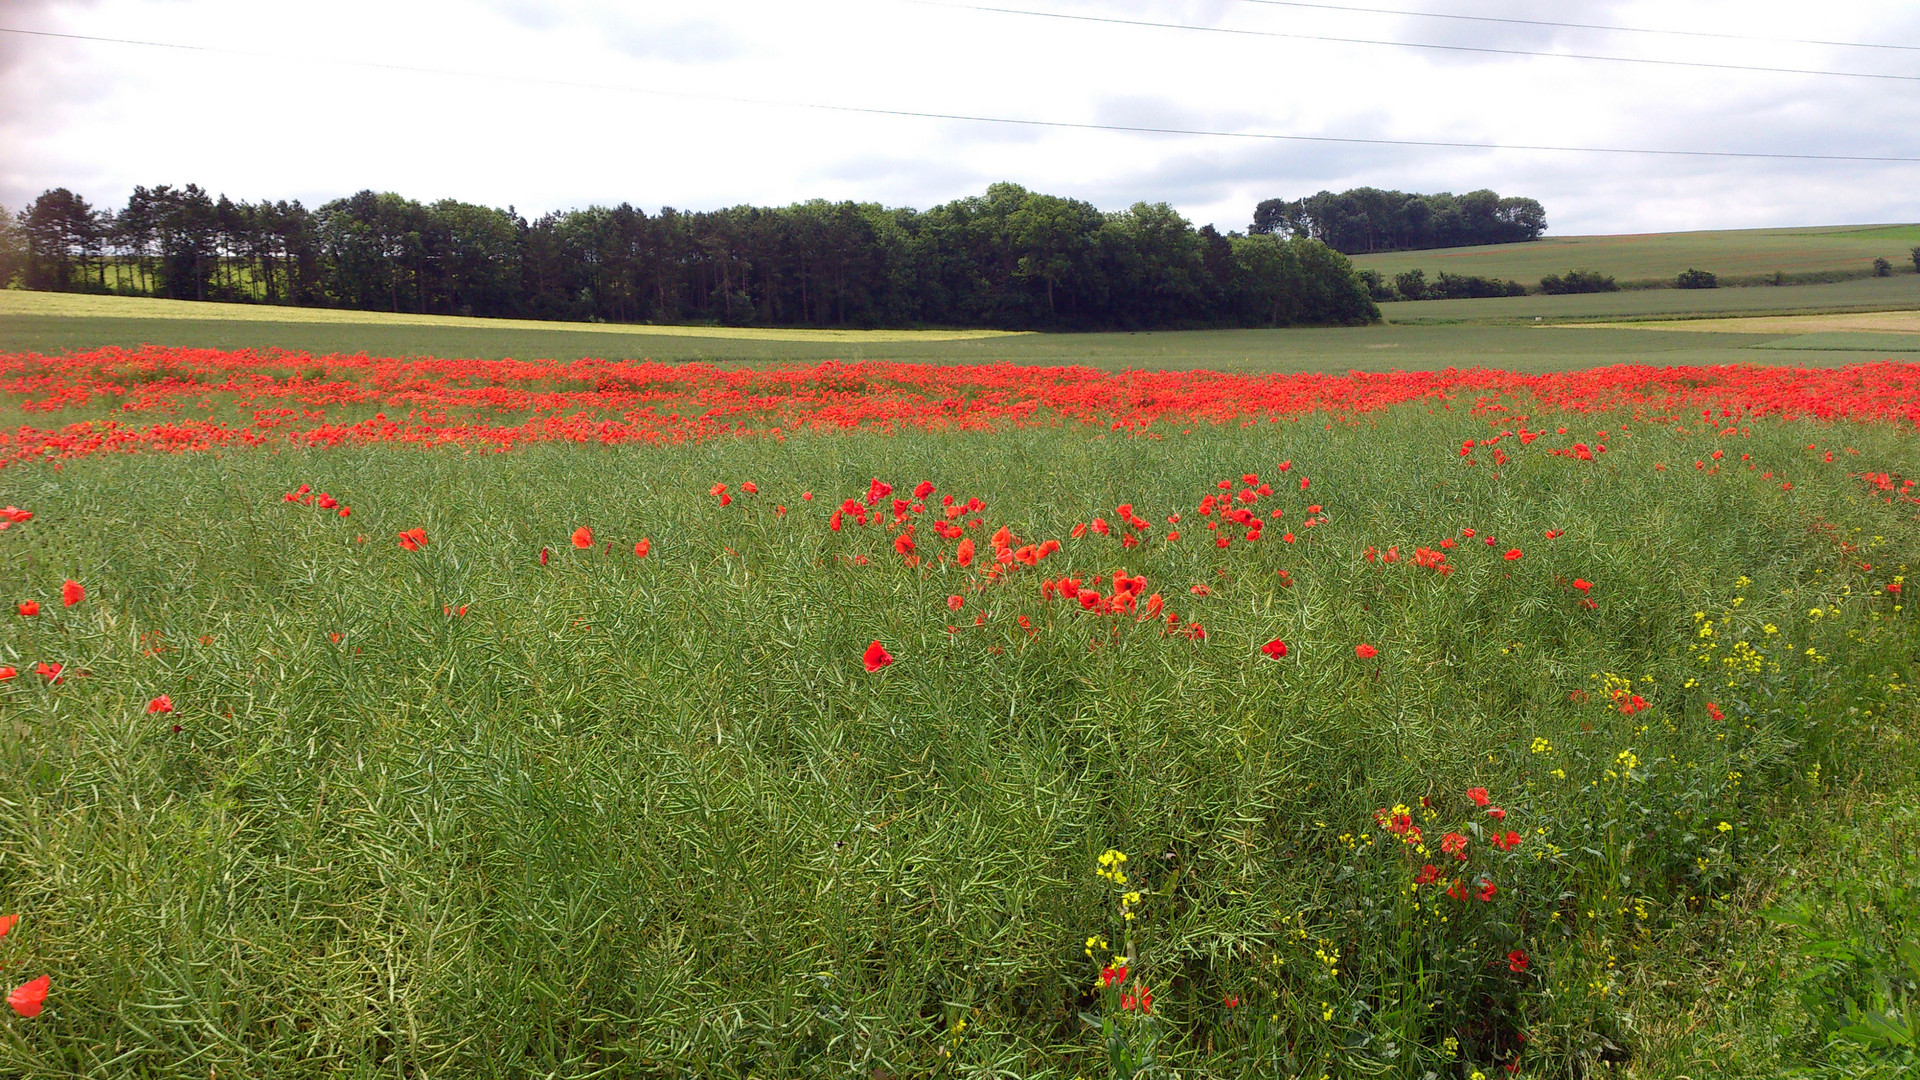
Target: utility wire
{"points": [[1485, 49], [1140, 129], [1582, 26]]}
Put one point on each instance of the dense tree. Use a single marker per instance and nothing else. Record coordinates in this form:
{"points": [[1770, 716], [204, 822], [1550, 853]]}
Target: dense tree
{"points": [[63, 237], [1009, 257], [1369, 219]]}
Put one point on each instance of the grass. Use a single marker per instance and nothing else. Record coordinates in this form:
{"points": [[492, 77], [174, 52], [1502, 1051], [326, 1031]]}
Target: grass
{"points": [[1420, 337], [465, 811], [1737, 255]]}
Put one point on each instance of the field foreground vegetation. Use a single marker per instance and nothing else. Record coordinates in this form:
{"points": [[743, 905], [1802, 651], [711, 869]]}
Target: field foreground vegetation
{"points": [[459, 718]]}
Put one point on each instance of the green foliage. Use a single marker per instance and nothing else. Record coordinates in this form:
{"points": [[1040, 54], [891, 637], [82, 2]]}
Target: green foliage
{"points": [[650, 816], [1378, 286], [1858, 960], [13, 250], [1696, 279], [1369, 219], [1881, 267], [1010, 258], [1577, 281]]}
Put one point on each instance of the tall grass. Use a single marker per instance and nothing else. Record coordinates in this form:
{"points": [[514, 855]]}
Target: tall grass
{"points": [[651, 817]]}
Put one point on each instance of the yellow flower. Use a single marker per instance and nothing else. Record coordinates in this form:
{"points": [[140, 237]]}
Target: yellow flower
{"points": [[1724, 827]]}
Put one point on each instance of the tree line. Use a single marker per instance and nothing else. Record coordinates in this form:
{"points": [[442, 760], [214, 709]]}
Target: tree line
{"points": [[1365, 219], [1010, 258]]}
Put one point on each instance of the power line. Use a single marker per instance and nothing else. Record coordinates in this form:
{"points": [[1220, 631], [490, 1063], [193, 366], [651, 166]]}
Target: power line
{"points": [[1582, 26], [864, 110], [1484, 49]]}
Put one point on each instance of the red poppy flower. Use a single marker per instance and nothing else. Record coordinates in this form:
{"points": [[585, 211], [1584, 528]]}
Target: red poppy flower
{"points": [[414, 539], [1496, 813], [1505, 841], [964, 553], [7, 673], [1582, 584], [1275, 648], [161, 704], [1365, 651], [750, 488], [1713, 710], [1487, 890], [543, 556], [1553, 534], [1455, 845], [877, 490], [955, 602], [48, 671], [29, 607], [583, 537], [1512, 555], [1517, 961], [903, 544], [923, 489], [1428, 875], [1478, 795], [72, 592], [28, 998], [1113, 974], [876, 657], [6, 924], [1457, 889]]}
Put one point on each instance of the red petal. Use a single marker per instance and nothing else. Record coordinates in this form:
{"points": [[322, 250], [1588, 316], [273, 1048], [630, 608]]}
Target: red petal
{"points": [[27, 998]]}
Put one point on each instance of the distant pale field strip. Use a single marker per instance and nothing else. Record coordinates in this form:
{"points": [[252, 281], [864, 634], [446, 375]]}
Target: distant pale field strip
{"points": [[71, 305], [1895, 322]]}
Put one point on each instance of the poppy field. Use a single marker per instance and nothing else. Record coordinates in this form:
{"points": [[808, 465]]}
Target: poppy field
{"points": [[370, 717]]}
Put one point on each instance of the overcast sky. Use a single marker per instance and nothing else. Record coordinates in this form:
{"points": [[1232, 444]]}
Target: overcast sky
{"points": [[537, 105]]}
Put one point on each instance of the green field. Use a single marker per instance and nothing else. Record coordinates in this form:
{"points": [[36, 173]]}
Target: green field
{"points": [[650, 817], [516, 804], [1737, 255], [1419, 336]]}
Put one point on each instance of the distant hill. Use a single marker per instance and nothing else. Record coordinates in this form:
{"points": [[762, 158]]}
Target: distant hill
{"points": [[1738, 256]]}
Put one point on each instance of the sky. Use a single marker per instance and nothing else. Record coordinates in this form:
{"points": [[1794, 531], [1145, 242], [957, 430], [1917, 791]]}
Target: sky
{"points": [[570, 103]]}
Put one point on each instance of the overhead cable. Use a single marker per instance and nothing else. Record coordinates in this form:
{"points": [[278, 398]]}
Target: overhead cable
{"points": [[869, 110], [1113, 20]]}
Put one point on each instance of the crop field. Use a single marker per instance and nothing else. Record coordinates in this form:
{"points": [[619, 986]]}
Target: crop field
{"points": [[389, 717], [1423, 336], [1738, 256]]}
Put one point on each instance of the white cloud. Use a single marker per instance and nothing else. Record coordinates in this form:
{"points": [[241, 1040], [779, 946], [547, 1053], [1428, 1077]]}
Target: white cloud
{"points": [[286, 104]]}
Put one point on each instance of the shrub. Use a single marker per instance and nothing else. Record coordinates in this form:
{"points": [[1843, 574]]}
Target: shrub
{"points": [[1378, 286], [1578, 281], [1916, 259], [1412, 284], [1472, 287], [1882, 268], [1696, 279]]}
